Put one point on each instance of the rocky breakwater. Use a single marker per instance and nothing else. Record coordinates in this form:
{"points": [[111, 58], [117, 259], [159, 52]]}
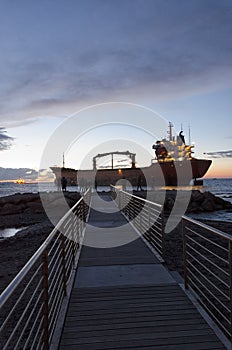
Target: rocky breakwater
{"points": [[199, 202], [23, 209], [196, 201], [27, 209]]}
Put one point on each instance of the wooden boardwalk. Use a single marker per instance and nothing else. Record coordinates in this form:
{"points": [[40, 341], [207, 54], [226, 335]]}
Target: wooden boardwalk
{"points": [[123, 297]]}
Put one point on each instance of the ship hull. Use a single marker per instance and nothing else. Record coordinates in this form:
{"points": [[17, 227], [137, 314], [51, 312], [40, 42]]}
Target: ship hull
{"points": [[157, 174], [176, 173]]}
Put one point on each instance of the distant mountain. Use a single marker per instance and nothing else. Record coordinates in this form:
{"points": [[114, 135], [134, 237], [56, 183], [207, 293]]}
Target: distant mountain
{"points": [[14, 174]]}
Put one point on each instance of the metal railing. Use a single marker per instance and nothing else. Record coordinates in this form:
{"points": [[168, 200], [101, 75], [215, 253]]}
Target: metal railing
{"points": [[145, 215], [208, 270], [30, 305]]}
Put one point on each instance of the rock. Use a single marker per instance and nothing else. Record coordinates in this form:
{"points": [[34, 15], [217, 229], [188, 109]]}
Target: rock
{"points": [[34, 206], [199, 201], [9, 208], [207, 205], [197, 196], [31, 202], [194, 207], [169, 202]]}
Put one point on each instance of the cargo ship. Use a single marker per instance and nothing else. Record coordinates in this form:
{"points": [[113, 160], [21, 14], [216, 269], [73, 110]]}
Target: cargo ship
{"points": [[173, 165]]}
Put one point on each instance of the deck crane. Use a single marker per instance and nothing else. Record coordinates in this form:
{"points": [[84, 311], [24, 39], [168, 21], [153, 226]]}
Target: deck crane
{"points": [[129, 154]]}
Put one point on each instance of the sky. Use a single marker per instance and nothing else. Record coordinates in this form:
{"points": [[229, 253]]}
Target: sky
{"points": [[61, 57]]}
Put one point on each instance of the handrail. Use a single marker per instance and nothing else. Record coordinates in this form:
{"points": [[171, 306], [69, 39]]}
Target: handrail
{"points": [[209, 228], [208, 270], [146, 216], [35, 308], [18, 278]]}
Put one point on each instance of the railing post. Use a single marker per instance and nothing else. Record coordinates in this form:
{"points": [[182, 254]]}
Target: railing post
{"points": [[74, 237], [162, 232], [123, 202], [63, 263], [76, 220], [84, 215], [45, 300], [185, 259], [230, 271], [149, 222], [119, 199], [81, 217], [140, 217]]}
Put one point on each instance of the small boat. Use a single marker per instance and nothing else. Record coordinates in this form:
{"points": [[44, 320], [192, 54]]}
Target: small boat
{"points": [[20, 181]]}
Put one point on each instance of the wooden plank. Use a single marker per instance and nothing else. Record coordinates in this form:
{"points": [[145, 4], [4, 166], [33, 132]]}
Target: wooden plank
{"points": [[120, 295], [134, 289], [135, 318], [122, 304], [118, 324], [182, 343], [136, 328], [141, 313]]}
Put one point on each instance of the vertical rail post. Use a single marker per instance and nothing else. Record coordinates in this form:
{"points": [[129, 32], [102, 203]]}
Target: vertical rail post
{"points": [[129, 209], [84, 209], [76, 225], [63, 262], [185, 258], [45, 300], [230, 272], [74, 237], [81, 217], [162, 232], [149, 222], [119, 199]]}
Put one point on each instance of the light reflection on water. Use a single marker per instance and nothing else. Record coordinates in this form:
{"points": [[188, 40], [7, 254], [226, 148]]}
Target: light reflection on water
{"points": [[9, 232]]}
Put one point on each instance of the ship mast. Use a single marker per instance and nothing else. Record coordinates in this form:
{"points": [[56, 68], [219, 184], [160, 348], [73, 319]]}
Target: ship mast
{"points": [[170, 131], [189, 136]]}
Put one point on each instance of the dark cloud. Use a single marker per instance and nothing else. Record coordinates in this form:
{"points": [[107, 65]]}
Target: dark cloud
{"points": [[5, 140], [220, 154], [15, 173]]}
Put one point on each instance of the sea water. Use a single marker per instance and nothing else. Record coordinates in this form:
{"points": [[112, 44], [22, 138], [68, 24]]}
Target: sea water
{"points": [[219, 187]]}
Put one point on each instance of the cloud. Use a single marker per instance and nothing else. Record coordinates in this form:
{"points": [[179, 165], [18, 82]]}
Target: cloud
{"points": [[220, 154], [15, 173], [109, 50], [5, 140]]}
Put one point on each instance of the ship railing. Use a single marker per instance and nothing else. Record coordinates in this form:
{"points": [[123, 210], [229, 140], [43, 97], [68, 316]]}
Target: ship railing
{"points": [[30, 305], [146, 216], [208, 270]]}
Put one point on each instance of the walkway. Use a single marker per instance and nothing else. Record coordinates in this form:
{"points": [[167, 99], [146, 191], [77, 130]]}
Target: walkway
{"points": [[124, 298]]}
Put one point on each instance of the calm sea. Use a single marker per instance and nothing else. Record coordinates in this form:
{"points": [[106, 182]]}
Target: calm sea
{"points": [[220, 187]]}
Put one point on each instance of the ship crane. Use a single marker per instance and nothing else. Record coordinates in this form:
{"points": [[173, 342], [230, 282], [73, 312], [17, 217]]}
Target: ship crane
{"points": [[129, 154]]}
